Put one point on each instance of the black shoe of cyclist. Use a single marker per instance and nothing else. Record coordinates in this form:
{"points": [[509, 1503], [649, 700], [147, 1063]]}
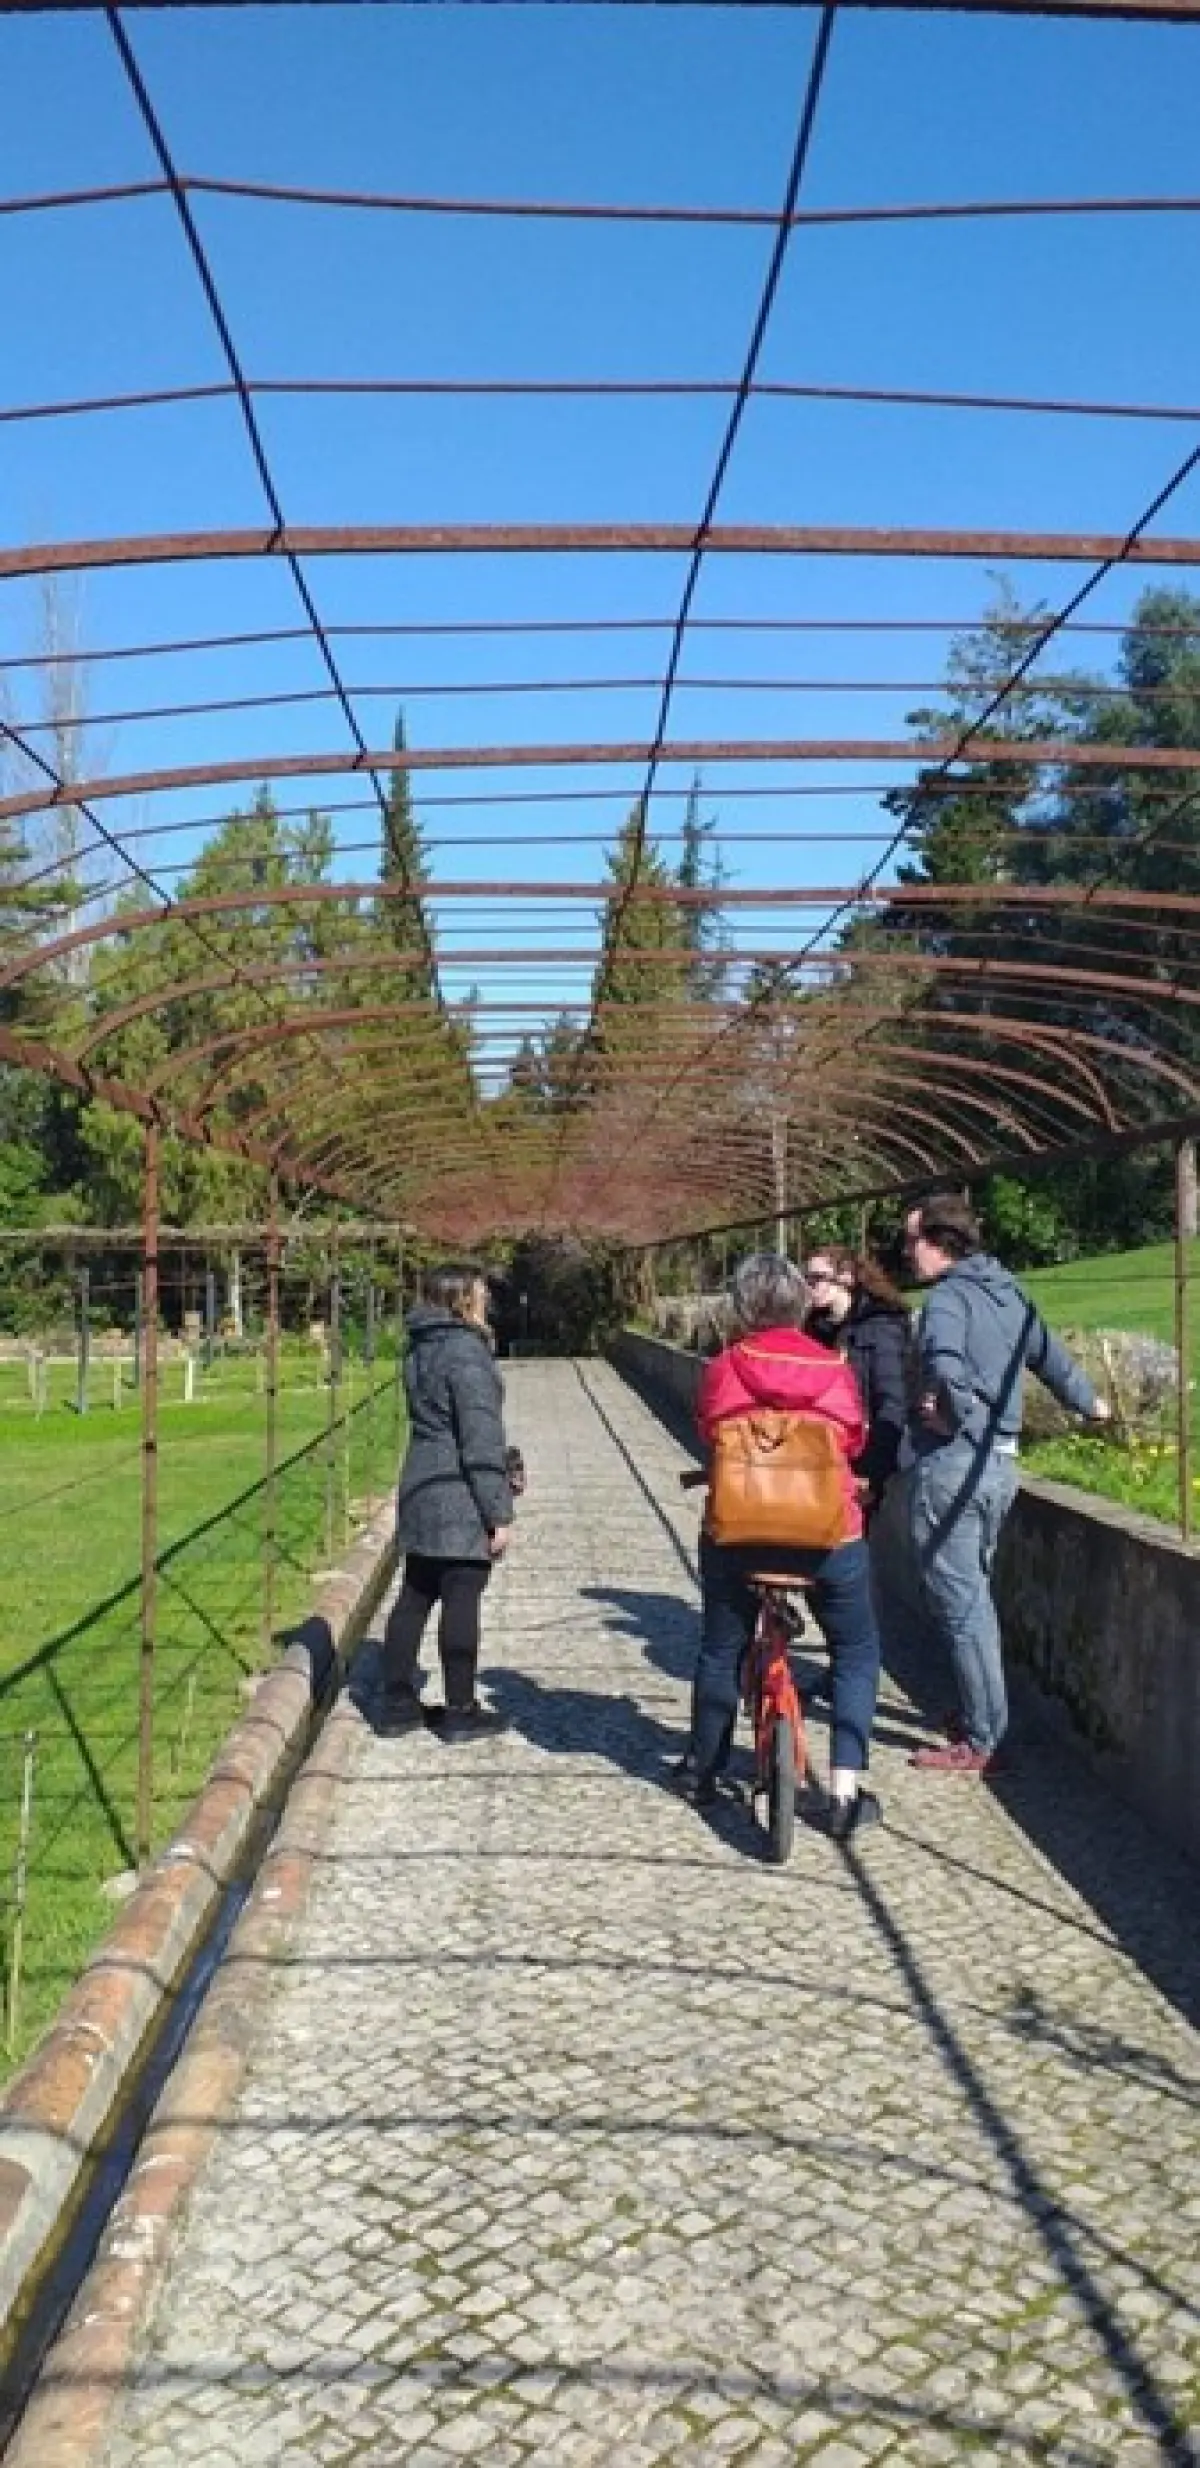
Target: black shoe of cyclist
{"points": [[849, 1818], [699, 1790]]}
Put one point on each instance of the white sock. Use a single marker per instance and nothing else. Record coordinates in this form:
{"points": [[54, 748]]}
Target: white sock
{"points": [[845, 1782]]}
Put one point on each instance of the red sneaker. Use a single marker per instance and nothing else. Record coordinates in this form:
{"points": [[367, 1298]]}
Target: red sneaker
{"points": [[952, 1757]]}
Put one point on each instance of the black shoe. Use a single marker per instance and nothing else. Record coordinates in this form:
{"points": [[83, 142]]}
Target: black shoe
{"points": [[699, 1790], [850, 1817], [394, 1721], [466, 1722]]}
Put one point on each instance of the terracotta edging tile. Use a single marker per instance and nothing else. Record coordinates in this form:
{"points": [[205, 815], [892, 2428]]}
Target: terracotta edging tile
{"points": [[58, 2116], [66, 2419]]}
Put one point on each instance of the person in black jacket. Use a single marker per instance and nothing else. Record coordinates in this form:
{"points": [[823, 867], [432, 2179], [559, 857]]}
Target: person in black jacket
{"points": [[857, 1310], [455, 1506]]}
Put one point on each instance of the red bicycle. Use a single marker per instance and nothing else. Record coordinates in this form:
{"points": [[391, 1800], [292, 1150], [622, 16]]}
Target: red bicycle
{"points": [[775, 1709], [772, 1701]]}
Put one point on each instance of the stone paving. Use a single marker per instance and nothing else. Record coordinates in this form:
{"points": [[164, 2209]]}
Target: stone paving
{"points": [[576, 2133]]}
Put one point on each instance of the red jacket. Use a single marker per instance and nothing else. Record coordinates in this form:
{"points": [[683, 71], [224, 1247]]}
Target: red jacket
{"points": [[780, 1367]]}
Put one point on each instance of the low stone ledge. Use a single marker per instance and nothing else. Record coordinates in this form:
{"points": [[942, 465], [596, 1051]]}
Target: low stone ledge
{"points": [[1101, 1613], [61, 2111], [70, 2407], [666, 1376]]}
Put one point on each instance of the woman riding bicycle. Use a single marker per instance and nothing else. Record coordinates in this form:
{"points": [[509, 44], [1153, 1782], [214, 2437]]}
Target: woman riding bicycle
{"points": [[771, 1364]]}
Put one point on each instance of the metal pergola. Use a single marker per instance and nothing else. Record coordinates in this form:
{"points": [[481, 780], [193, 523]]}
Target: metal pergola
{"points": [[355, 1037]]}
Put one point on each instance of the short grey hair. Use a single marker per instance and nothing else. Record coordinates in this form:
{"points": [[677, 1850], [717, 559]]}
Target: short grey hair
{"points": [[767, 1291]]}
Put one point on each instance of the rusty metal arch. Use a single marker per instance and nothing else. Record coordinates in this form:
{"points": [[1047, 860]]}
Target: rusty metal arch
{"points": [[984, 1025], [176, 548], [222, 1084], [1168, 12], [251, 1042], [328, 1150], [121, 925], [1045, 1014], [697, 752]]}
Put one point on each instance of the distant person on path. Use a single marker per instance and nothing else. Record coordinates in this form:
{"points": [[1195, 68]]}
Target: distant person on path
{"points": [[773, 1365], [455, 1507], [976, 1336]]}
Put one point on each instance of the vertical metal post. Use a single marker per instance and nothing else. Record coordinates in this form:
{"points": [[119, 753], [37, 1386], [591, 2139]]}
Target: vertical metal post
{"points": [[139, 1322], [398, 1381], [149, 1608], [210, 1316], [369, 1358], [779, 1168], [85, 1340], [1182, 1340], [16, 1950], [335, 1348], [346, 1407], [270, 1484]]}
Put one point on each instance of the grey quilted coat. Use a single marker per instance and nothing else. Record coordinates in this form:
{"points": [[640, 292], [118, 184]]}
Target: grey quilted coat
{"points": [[454, 1490]]}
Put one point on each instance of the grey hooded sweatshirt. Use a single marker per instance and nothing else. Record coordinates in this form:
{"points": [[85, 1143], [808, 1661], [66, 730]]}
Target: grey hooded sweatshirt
{"points": [[976, 1336]]}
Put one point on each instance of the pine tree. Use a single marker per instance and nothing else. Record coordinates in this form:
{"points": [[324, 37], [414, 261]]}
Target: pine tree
{"points": [[25, 910], [525, 1071], [404, 922], [967, 826], [702, 868], [36, 1118], [547, 1072], [639, 930]]}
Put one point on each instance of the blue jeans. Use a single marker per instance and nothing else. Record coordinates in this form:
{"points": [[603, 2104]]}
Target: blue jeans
{"points": [[958, 1503], [841, 1599]]}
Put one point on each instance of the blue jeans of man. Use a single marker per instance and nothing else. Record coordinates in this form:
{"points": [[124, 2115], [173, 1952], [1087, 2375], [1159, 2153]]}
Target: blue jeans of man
{"points": [[841, 1599], [959, 1499]]}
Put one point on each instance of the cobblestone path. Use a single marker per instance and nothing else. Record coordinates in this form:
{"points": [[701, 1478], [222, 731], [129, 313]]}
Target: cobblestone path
{"points": [[576, 2134]]}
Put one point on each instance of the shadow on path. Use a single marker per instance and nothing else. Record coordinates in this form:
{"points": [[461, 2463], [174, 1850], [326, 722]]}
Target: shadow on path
{"points": [[1141, 1890]]}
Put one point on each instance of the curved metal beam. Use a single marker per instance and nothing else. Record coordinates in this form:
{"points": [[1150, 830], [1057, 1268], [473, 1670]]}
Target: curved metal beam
{"points": [[1060, 752], [119, 925], [1038, 1095], [584, 539]]}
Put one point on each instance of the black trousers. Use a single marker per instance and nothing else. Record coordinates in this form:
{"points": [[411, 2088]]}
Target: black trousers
{"points": [[458, 1585]]}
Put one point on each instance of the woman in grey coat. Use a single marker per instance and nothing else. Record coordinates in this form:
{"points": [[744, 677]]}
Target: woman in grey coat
{"points": [[455, 1508]]}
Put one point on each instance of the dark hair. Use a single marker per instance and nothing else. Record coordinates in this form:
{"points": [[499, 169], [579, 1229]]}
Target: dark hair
{"points": [[951, 1223], [451, 1285], [865, 1274]]}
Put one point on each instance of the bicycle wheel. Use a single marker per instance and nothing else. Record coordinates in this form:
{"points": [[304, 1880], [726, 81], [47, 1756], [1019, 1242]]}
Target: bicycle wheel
{"points": [[781, 1791]]}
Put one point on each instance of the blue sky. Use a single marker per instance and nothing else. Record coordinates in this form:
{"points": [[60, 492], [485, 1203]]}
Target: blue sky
{"points": [[695, 106]]}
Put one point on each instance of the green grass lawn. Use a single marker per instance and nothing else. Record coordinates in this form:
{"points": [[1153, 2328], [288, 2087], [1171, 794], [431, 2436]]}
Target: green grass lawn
{"points": [[1132, 1290], [1123, 1289], [70, 1546]]}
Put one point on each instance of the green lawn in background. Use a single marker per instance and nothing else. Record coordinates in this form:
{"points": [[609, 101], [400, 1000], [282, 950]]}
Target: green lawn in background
{"points": [[70, 1549], [1132, 1290], [1123, 1289]]}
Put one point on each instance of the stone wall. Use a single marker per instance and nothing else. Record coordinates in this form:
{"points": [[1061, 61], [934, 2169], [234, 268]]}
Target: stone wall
{"points": [[1101, 1608], [661, 1372]]}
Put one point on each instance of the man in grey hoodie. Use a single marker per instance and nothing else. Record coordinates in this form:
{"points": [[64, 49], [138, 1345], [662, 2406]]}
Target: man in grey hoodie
{"points": [[977, 1335]]}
